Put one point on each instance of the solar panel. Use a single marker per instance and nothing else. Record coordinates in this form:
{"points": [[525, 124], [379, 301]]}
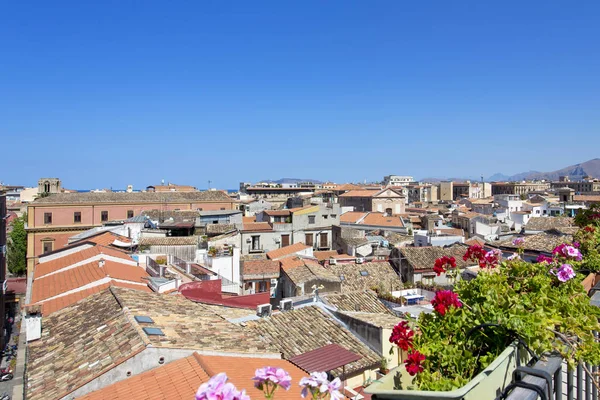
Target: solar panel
{"points": [[147, 320], [154, 331]]}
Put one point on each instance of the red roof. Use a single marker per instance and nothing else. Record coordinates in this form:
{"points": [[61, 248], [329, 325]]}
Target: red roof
{"points": [[16, 285], [287, 250], [326, 358]]}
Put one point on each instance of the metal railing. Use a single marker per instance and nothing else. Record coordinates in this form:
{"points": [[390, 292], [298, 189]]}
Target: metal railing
{"points": [[551, 379], [255, 249], [153, 268]]}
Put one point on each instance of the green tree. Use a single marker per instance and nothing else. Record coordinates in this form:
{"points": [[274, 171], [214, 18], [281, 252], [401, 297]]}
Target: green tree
{"points": [[17, 248]]}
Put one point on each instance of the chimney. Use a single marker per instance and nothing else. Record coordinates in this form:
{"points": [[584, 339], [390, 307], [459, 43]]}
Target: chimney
{"points": [[101, 263]]}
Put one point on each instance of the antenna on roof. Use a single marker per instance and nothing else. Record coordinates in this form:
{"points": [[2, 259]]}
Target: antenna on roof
{"points": [[209, 181]]}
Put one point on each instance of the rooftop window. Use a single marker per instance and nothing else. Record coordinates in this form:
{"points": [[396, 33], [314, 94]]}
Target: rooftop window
{"points": [[153, 332], [364, 273], [143, 319]]}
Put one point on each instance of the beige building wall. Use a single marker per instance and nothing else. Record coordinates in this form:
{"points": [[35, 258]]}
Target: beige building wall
{"points": [[446, 191]]}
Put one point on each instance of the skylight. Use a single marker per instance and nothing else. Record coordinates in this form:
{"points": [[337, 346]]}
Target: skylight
{"points": [[153, 331], [143, 319], [364, 273]]}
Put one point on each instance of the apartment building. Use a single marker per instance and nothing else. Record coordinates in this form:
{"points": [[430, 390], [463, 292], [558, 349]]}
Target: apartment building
{"points": [[519, 187], [55, 218], [388, 200]]}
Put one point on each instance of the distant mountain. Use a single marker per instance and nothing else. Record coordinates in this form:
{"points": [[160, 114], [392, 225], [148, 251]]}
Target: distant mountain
{"points": [[498, 177], [574, 172], [291, 180]]}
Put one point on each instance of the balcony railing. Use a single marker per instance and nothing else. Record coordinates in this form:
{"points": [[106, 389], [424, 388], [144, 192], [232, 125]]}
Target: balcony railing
{"points": [[550, 379], [256, 249]]}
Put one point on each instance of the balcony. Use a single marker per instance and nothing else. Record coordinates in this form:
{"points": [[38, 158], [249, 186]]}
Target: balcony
{"points": [[255, 249]]}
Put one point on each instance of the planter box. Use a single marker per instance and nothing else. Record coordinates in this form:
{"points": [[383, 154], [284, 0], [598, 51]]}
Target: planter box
{"points": [[487, 385], [590, 281]]}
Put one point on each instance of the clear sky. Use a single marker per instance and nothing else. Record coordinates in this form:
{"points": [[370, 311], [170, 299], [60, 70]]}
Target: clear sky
{"points": [[109, 93]]}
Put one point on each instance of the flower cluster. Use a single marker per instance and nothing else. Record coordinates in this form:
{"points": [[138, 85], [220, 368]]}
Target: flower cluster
{"points": [[217, 388], [268, 379], [413, 363], [589, 229], [564, 273], [443, 300], [514, 256], [474, 253], [444, 263], [402, 336], [544, 259], [491, 259], [566, 251], [319, 386], [518, 241]]}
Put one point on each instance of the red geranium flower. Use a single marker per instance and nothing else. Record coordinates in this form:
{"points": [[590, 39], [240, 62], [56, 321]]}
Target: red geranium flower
{"points": [[443, 300], [442, 262], [475, 253], [413, 363], [402, 336], [589, 229]]}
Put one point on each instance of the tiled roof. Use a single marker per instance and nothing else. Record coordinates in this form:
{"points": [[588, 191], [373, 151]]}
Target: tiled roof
{"points": [[346, 186], [301, 270], [241, 370], [83, 254], [308, 328], [185, 324], [62, 282], [169, 241], [352, 217], [450, 231], [475, 240], [134, 198], [260, 268], [229, 313], [423, 258], [219, 228], [360, 193], [325, 359], [257, 226], [277, 213], [378, 273], [380, 320], [587, 197], [325, 255], [178, 379], [107, 238], [379, 219], [547, 223], [360, 300], [246, 220], [543, 242], [287, 250], [79, 343]]}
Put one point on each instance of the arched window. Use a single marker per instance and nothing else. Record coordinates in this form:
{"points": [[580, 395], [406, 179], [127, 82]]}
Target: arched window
{"points": [[388, 211]]}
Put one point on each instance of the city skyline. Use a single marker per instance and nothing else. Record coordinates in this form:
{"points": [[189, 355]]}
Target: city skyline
{"points": [[116, 93]]}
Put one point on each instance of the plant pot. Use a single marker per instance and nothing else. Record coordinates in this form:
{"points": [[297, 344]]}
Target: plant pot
{"points": [[486, 385]]}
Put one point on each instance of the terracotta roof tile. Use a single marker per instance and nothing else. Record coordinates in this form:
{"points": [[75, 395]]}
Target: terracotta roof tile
{"points": [[360, 193], [79, 343], [379, 219], [58, 284], [247, 220], [57, 264], [352, 216], [107, 238], [286, 251], [260, 269], [180, 378], [257, 226], [543, 242], [360, 300], [300, 270], [277, 213], [587, 197], [381, 320], [423, 258], [308, 328], [325, 255], [547, 223], [134, 198], [377, 274], [240, 371]]}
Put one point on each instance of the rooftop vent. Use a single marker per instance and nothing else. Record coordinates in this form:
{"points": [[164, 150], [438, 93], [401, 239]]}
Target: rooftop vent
{"points": [[143, 319], [153, 332]]}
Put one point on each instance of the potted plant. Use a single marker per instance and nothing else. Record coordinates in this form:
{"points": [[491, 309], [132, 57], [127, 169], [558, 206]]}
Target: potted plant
{"points": [[383, 366], [467, 348], [212, 251]]}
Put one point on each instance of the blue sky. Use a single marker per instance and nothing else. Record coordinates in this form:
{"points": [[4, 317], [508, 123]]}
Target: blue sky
{"points": [[122, 92]]}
